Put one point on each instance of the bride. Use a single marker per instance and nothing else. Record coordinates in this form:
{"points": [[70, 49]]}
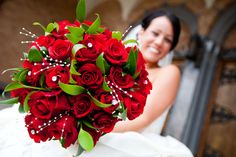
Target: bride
{"points": [[137, 138]]}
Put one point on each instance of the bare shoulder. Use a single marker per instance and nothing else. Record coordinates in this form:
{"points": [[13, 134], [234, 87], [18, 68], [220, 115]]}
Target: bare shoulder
{"points": [[169, 72]]}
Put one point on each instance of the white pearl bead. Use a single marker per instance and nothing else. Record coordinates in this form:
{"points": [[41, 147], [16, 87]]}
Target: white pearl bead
{"points": [[29, 73], [114, 102], [54, 78], [145, 82], [32, 132], [90, 45]]}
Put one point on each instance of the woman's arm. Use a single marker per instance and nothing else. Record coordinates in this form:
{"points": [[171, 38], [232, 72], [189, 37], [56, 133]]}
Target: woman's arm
{"points": [[162, 96]]}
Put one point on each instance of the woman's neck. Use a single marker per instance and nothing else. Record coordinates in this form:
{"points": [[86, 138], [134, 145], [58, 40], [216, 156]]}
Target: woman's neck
{"points": [[151, 65]]}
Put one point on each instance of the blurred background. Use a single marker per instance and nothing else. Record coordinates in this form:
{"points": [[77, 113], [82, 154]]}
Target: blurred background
{"points": [[203, 116]]}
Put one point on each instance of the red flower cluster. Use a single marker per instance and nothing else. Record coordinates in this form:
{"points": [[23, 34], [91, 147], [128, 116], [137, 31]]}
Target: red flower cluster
{"points": [[78, 80]]}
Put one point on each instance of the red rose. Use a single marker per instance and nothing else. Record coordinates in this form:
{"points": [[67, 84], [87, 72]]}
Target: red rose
{"points": [[144, 85], [82, 105], [115, 52], [34, 73], [55, 74], [88, 23], [104, 121], [77, 23], [32, 124], [21, 93], [61, 49], [94, 47], [107, 34], [134, 105], [120, 79], [45, 41], [91, 76], [47, 104], [69, 126], [60, 33], [107, 99]]}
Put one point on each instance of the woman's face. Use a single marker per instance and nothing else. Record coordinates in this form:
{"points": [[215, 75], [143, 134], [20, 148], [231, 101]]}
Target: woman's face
{"points": [[156, 40]]}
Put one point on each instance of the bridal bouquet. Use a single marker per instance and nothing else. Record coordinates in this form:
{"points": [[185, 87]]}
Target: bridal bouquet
{"points": [[77, 81]]}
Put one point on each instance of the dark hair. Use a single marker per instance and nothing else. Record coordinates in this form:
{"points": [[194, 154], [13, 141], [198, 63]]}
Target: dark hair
{"points": [[173, 19]]}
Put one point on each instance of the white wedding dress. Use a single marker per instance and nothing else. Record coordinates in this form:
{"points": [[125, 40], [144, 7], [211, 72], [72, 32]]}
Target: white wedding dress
{"points": [[15, 142]]}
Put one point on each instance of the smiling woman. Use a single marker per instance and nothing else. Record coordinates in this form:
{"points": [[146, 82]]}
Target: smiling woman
{"points": [[156, 40]]}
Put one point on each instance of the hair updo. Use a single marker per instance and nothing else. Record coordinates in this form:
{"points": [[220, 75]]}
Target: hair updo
{"points": [[173, 19]]}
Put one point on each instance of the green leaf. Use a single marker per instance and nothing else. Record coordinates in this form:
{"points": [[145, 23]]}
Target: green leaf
{"points": [[22, 76], [98, 103], [26, 106], [130, 41], [123, 116], [25, 55], [32, 87], [42, 80], [35, 55], [136, 74], [88, 124], [105, 86], [130, 66], [79, 151], [81, 10], [100, 63], [100, 30], [77, 31], [77, 47], [62, 141], [72, 89], [72, 68], [9, 101], [12, 69], [72, 81], [107, 67], [13, 86], [94, 27], [85, 140], [56, 26], [50, 27], [117, 35], [85, 27], [103, 64], [74, 39], [21, 109], [39, 24]]}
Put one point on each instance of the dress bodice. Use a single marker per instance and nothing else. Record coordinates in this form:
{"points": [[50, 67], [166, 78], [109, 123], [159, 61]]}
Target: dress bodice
{"points": [[157, 125]]}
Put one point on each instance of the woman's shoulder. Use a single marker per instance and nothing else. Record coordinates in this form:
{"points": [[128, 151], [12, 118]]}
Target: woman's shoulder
{"points": [[168, 72]]}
